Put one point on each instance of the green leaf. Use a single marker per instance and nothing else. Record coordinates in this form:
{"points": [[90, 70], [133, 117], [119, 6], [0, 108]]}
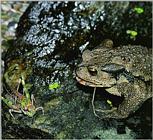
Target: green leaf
{"points": [[54, 86], [109, 102], [139, 10], [7, 102], [132, 33], [27, 86]]}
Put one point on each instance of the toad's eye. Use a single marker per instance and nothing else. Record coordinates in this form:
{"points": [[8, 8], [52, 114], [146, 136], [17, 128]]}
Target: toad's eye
{"points": [[92, 70], [126, 59]]}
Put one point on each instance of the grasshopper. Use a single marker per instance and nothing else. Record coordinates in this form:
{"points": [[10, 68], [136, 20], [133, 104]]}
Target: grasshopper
{"points": [[21, 102]]}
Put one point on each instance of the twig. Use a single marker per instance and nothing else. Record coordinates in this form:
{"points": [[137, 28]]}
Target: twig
{"points": [[93, 106]]}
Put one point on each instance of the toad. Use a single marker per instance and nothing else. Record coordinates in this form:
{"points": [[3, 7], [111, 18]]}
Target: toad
{"points": [[121, 71]]}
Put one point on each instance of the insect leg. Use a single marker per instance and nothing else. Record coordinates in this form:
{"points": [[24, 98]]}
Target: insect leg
{"points": [[32, 99], [18, 84], [12, 110]]}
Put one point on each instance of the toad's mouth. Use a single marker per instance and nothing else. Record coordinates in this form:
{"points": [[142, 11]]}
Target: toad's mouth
{"points": [[86, 83], [112, 89], [90, 84]]}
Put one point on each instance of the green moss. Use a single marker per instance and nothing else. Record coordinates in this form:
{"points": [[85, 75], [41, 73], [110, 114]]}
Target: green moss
{"points": [[3, 27], [61, 135], [109, 102], [112, 134], [53, 103], [139, 10], [54, 86], [40, 119], [132, 33], [4, 16]]}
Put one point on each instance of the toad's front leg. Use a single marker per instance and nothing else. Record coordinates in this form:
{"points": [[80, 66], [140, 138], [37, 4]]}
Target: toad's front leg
{"points": [[128, 106], [112, 113], [134, 95]]}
